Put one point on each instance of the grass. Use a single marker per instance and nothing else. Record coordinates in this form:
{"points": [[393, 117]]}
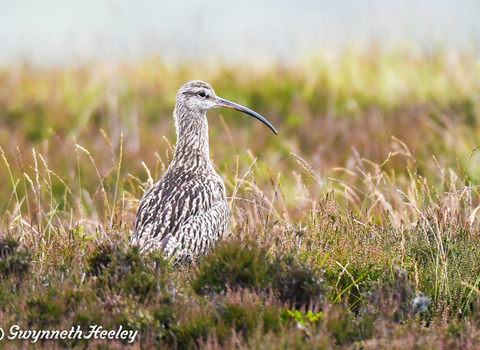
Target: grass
{"points": [[356, 227]]}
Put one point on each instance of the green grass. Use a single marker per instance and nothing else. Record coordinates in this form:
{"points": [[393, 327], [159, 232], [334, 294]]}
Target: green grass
{"points": [[367, 198]]}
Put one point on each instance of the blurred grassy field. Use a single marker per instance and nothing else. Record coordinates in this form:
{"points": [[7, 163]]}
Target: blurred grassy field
{"points": [[374, 171]]}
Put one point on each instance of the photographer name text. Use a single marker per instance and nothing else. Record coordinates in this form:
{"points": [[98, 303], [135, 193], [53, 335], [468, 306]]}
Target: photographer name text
{"points": [[94, 332]]}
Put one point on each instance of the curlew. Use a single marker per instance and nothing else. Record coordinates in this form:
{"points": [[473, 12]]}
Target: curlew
{"points": [[185, 212]]}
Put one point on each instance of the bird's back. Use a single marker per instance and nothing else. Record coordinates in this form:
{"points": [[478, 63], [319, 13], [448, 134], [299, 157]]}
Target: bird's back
{"points": [[182, 214]]}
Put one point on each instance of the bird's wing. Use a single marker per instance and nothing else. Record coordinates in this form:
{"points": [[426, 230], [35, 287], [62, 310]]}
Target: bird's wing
{"points": [[211, 224], [169, 204]]}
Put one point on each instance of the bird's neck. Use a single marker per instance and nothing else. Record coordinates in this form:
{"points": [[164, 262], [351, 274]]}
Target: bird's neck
{"points": [[191, 150]]}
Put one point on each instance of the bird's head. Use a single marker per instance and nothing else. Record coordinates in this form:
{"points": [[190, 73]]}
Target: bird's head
{"points": [[197, 97]]}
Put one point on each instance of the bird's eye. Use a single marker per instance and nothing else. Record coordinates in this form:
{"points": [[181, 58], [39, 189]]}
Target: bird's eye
{"points": [[202, 94]]}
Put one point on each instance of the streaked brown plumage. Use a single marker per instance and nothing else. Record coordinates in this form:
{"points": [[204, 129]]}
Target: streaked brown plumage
{"points": [[186, 212]]}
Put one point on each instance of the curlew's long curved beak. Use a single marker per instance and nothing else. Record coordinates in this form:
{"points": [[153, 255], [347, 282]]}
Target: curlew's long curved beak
{"points": [[227, 104]]}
